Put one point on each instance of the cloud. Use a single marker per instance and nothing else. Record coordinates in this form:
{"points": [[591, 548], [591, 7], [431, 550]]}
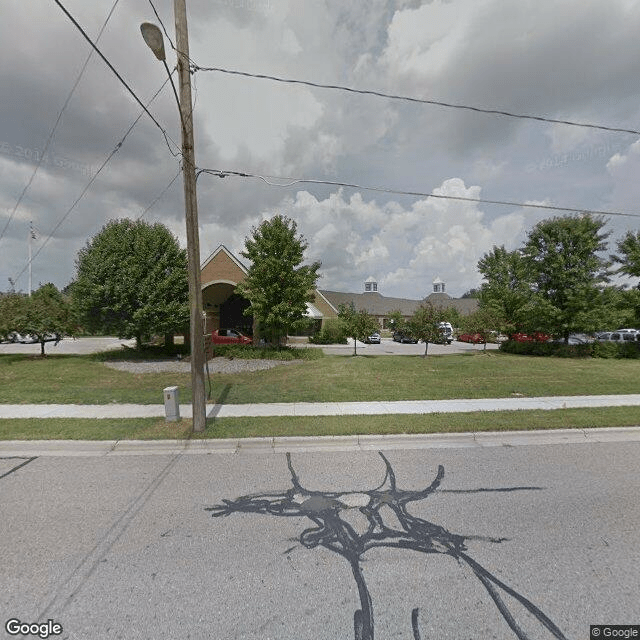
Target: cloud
{"points": [[403, 247]]}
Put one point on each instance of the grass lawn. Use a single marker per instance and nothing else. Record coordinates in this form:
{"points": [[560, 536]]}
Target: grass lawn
{"points": [[86, 380], [155, 429]]}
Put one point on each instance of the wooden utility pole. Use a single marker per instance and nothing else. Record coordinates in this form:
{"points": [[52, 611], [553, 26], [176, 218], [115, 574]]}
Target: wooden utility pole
{"points": [[191, 216]]}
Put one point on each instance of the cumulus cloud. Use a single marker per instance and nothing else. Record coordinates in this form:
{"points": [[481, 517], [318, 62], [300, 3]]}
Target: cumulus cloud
{"points": [[405, 248]]}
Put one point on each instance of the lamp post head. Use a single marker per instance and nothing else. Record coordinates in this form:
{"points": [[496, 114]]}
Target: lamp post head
{"points": [[153, 37]]}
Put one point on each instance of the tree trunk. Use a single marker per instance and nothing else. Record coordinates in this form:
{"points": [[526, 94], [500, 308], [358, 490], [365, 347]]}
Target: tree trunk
{"points": [[355, 341], [42, 348], [426, 348]]}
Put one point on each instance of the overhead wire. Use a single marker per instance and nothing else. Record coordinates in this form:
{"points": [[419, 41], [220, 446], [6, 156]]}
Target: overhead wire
{"points": [[438, 103], [91, 181], [57, 122], [162, 25], [160, 195], [221, 173], [120, 78]]}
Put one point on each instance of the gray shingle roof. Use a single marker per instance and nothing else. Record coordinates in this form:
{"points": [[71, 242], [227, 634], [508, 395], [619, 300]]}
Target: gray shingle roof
{"points": [[378, 305]]}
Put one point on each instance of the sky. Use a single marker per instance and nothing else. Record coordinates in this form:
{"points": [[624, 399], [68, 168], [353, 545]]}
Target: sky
{"points": [[569, 60]]}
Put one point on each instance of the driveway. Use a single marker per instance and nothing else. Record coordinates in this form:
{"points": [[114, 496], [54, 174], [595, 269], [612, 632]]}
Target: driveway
{"points": [[389, 347]]}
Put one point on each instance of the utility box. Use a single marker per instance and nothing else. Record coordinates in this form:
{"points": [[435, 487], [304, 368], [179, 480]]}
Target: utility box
{"points": [[171, 404]]}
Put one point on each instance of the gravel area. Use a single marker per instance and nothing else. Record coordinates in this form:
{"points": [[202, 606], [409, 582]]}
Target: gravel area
{"points": [[216, 365]]}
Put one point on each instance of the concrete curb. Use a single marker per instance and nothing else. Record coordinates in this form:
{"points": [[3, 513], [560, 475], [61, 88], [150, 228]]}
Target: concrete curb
{"points": [[85, 448]]}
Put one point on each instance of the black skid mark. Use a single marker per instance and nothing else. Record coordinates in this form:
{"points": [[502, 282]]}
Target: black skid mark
{"points": [[330, 531]]}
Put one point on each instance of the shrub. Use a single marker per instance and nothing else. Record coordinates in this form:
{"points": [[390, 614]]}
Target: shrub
{"points": [[561, 350], [251, 352], [333, 332]]}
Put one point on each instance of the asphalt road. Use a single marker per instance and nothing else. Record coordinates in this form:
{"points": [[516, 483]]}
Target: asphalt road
{"points": [[545, 539]]}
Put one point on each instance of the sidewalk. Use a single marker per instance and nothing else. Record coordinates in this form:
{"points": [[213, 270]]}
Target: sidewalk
{"points": [[320, 408]]}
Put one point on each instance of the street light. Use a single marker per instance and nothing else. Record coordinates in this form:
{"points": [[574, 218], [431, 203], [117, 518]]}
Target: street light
{"points": [[153, 37]]}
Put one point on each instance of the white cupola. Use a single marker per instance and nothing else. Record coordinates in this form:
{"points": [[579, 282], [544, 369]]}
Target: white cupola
{"points": [[370, 285]]}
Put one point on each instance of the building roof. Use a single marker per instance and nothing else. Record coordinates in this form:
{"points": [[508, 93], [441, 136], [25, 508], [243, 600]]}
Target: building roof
{"points": [[372, 302], [378, 305]]}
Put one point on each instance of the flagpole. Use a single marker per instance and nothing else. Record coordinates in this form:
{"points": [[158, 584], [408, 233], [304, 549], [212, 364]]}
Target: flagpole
{"points": [[30, 239]]}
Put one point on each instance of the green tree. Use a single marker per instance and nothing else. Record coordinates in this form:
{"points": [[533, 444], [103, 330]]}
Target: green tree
{"points": [[562, 261], [396, 321], [12, 308], [46, 313], [132, 281], [629, 254], [359, 324], [423, 324], [506, 289], [278, 286], [483, 321]]}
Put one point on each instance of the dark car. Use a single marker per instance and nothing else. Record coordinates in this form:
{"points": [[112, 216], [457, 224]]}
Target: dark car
{"points": [[229, 336], [398, 336]]}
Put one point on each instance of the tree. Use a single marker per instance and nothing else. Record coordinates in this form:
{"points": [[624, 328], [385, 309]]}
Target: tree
{"points": [[396, 320], [47, 313], [278, 286], [423, 325], [11, 313], [359, 324], [629, 258], [567, 274], [132, 281], [506, 289], [483, 321]]}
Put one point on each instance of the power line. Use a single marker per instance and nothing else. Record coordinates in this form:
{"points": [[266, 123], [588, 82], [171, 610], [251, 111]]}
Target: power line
{"points": [[162, 24], [122, 81], [420, 194], [91, 181], [437, 103], [160, 195], [55, 126]]}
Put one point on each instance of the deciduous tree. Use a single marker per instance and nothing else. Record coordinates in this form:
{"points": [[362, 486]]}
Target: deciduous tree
{"points": [[359, 324], [629, 254], [132, 281], [563, 261], [506, 289], [423, 324], [278, 286]]}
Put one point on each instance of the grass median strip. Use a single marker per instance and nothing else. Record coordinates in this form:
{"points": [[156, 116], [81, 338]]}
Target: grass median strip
{"points": [[158, 429]]}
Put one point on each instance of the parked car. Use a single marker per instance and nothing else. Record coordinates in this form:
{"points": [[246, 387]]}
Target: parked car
{"points": [[398, 336], [623, 335], [374, 338], [229, 336], [446, 332], [574, 338], [473, 338], [536, 336]]}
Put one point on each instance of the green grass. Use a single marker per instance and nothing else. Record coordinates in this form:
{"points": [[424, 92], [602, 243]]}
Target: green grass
{"points": [[86, 380], [154, 429]]}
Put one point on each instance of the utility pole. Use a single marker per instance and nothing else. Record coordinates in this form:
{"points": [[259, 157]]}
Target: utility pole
{"points": [[191, 216]]}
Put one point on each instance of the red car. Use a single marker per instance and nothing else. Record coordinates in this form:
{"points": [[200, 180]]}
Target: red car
{"points": [[537, 336], [229, 336], [474, 338]]}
